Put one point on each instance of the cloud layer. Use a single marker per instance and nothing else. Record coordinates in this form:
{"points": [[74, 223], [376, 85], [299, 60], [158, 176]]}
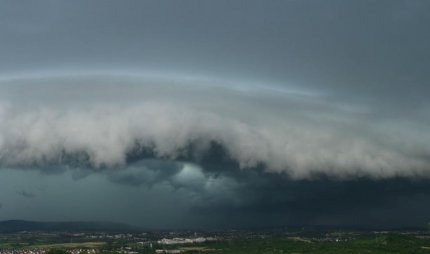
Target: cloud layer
{"points": [[102, 122]]}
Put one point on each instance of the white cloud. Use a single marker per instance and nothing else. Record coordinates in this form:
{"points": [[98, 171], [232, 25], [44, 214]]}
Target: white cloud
{"points": [[104, 119]]}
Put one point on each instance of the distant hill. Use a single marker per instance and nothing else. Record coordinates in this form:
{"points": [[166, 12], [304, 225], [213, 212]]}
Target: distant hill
{"points": [[12, 226]]}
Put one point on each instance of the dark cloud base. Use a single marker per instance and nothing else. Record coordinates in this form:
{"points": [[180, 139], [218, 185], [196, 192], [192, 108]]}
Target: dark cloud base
{"points": [[254, 197]]}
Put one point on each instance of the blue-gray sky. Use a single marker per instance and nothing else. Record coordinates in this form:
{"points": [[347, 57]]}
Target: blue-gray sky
{"points": [[215, 113]]}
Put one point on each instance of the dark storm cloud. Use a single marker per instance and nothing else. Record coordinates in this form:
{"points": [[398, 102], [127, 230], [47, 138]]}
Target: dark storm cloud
{"points": [[218, 189], [277, 199], [372, 51], [259, 112], [145, 172], [234, 197], [240, 198]]}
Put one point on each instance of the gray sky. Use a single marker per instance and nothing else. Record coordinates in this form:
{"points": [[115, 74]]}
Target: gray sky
{"points": [[250, 113]]}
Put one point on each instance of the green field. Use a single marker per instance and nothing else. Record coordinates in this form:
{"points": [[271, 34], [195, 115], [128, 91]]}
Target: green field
{"points": [[89, 245], [373, 245], [23, 245], [350, 243]]}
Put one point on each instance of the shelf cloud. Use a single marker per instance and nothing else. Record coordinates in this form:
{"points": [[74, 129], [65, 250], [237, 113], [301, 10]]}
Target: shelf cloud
{"points": [[214, 114], [301, 135]]}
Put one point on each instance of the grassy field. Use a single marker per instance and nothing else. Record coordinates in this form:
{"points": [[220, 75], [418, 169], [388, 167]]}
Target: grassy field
{"points": [[391, 244], [360, 244], [93, 245]]}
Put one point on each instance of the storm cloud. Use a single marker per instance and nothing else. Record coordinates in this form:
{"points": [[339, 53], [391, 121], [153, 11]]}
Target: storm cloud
{"points": [[216, 113], [302, 135], [229, 197]]}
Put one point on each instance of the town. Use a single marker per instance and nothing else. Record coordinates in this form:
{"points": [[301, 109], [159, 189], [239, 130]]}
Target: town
{"points": [[230, 241]]}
